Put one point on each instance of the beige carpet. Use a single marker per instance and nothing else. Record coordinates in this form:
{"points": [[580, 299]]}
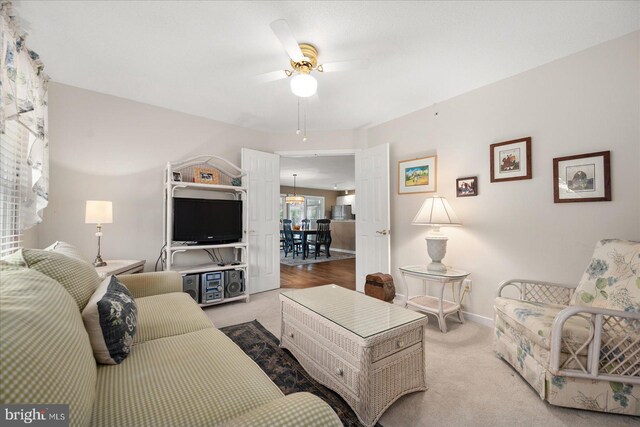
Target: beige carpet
{"points": [[468, 385]]}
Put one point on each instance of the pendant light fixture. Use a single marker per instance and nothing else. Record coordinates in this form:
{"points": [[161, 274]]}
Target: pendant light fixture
{"points": [[295, 199]]}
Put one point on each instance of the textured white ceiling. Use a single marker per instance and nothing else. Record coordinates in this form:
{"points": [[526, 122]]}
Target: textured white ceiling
{"points": [[322, 172], [199, 57]]}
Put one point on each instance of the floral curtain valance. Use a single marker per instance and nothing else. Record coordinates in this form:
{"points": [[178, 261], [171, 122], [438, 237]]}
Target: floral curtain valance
{"points": [[23, 97]]}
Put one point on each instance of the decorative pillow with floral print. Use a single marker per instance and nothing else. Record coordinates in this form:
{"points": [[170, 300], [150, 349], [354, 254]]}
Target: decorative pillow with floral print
{"points": [[612, 278], [110, 318]]}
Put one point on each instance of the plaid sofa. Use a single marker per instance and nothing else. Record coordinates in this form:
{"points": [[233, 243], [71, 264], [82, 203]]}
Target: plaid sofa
{"points": [[181, 371]]}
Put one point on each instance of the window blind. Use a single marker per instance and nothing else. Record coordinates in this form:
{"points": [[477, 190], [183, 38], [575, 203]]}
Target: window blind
{"points": [[13, 185]]}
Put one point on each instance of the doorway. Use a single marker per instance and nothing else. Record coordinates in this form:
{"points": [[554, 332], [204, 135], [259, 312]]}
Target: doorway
{"points": [[372, 183], [325, 189]]}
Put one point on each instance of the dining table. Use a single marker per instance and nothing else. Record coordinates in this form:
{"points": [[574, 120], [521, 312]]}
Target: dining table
{"points": [[303, 236]]}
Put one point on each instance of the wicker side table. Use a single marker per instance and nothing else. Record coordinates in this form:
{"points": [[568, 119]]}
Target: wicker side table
{"points": [[369, 366]]}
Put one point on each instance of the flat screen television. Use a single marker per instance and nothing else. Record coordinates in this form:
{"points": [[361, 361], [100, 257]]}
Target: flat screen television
{"points": [[207, 221]]}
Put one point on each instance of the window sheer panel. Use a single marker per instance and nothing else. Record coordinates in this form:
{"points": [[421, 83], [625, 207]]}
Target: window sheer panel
{"points": [[13, 184]]}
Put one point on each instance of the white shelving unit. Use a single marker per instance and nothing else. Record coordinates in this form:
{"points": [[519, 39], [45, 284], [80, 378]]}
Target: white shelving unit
{"points": [[228, 174]]}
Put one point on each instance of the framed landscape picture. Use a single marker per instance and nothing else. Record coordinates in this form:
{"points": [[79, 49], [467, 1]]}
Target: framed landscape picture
{"points": [[582, 178], [417, 175], [511, 160], [466, 187]]}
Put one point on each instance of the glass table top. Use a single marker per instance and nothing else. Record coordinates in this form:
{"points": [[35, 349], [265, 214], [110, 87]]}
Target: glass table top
{"points": [[422, 270], [363, 315]]}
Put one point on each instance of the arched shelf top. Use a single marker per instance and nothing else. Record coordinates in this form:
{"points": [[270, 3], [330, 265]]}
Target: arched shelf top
{"points": [[223, 165]]}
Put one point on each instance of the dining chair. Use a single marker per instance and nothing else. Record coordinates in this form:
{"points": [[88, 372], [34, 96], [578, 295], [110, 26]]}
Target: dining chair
{"points": [[281, 237], [323, 238], [306, 224], [291, 244]]}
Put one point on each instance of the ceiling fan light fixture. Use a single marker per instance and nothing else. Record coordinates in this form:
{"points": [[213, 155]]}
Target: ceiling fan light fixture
{"points": [[304, 85]]}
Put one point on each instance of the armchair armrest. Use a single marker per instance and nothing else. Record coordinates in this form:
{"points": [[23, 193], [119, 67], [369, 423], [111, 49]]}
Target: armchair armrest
{"points": [[539, 291], [292, 410], [613, 345], [155, 283]]}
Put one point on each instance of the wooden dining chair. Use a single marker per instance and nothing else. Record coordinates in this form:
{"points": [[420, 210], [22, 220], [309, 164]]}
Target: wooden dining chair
{"points": [[306, 224], [291, 244], [323, 238]]}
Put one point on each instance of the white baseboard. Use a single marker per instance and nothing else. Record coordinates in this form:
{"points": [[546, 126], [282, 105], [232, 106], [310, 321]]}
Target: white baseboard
{"points": [[476, 318], [472, 317], [343, 250]]}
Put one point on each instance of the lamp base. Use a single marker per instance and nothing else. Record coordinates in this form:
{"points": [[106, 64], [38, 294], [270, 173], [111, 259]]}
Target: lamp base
{"points": [[437, 248], [437, 267], [99, 262]]}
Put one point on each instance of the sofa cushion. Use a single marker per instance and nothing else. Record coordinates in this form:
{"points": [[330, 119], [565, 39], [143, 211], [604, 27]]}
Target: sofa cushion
{"points": [[195, 379], [289, 411], [167, 315], [612, 279], [45, 355], [535, 319], [67, 249], [79, 278], [111, 318]]}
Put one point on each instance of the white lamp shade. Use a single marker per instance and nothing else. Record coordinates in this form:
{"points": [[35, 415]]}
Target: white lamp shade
{"points": [[98, 212], [436, 211], [304, 85]]}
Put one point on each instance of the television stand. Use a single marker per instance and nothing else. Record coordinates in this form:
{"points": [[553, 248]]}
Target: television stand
{"points": [[180, 178]]}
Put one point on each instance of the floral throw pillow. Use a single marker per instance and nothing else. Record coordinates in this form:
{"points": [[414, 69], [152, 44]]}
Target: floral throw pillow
{"points": [[612, 279], [110, 318]]}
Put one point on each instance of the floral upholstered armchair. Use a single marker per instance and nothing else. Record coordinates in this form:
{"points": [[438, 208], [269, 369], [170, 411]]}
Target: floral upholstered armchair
{"points": [[578, 347]]}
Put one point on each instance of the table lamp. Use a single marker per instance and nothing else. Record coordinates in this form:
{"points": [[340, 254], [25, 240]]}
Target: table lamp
{"points": [[98, 212], [436, 212]]}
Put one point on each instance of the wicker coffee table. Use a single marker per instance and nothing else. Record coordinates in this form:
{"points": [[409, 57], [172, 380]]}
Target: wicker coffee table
{"points": [[368, 351]]}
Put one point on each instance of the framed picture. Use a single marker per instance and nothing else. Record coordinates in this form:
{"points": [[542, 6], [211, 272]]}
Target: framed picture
{"points": [[466, 187], [206, 175], [582, 178], [177, 176], [417, 175], [511, 160]]}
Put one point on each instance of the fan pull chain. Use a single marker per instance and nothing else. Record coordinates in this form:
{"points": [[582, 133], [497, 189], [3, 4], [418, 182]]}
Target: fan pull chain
{"points": [[298, 129], [304, 122]]}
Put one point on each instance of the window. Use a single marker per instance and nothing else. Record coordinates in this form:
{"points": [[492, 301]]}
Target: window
{"points": [[313, 208], [13, 184]]}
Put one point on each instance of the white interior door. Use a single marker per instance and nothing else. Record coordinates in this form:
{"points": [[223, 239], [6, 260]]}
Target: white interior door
{"points": [[373, 218], [263, 185]]}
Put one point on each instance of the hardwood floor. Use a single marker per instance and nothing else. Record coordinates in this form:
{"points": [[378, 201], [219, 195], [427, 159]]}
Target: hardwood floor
{"points": [[341, 272]]}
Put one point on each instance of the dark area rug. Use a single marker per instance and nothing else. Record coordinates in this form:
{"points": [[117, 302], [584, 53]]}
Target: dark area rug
{"points": [[283, 369]]}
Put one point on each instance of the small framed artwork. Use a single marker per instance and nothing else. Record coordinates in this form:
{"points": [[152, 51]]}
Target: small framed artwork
{"points": [[582, 178], [417, 175], [466, 187], [206, 175], [177, 176], [511, 160]]}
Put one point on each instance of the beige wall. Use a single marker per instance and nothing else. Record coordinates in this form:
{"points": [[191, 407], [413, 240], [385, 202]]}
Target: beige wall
{"points": [[329, 196], [583, 103], [109, 148]]}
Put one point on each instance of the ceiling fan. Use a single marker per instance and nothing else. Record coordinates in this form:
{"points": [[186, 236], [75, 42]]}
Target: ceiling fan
{"points": [[303, 60]]}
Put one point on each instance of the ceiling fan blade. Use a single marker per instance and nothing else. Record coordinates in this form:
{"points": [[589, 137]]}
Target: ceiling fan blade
{"points": [[270, 77], [282, 30], [356, 64]]}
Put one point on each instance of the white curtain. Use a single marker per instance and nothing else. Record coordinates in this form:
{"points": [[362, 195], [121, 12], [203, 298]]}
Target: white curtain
{"points": [[23, 97]]}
